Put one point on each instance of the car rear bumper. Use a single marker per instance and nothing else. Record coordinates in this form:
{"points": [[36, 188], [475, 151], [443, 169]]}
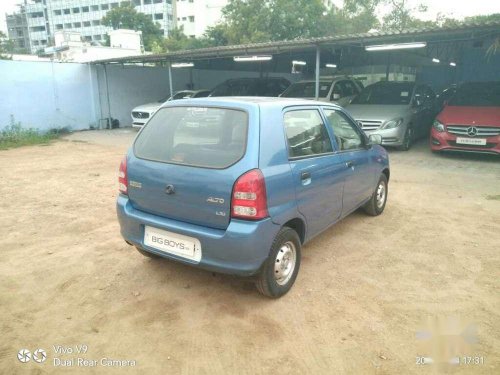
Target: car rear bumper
{"points": [[240, 249], [444, 141]]}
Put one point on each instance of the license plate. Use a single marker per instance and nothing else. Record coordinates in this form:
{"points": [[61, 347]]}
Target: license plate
{"points": [[173, 243], [472, 141]]}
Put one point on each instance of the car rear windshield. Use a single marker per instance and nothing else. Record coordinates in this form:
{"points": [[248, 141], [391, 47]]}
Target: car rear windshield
{"points": [[477, 94], [307, 90], [389, 93], [196, 136]]}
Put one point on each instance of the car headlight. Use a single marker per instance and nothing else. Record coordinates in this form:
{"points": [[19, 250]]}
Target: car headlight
{"points": [[391, 124], [438, 126]]}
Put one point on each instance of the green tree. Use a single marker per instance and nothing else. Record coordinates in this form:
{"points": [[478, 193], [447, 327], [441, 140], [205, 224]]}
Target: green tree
{"points": [[126, 17], [250, 21], [356, 16], [217, 35], [177, 40], [6, 47], [402, 16]]}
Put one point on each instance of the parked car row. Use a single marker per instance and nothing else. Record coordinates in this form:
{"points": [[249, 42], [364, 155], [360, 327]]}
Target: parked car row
{"points": [[467, 119], [238, 185]]}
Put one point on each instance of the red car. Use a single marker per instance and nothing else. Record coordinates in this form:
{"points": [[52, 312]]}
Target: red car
{"points": [[470, 121]]}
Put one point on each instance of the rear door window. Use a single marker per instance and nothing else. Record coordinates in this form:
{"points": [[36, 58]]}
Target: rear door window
{"points": [[306, 133], [196, 136]]}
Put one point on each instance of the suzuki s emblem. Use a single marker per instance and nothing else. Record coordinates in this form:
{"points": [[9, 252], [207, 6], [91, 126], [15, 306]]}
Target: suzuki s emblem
{"points": [[472, 131], [170, 189]]}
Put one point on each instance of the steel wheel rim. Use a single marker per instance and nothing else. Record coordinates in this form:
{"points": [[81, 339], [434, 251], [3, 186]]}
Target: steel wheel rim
{"points": [[380, 194], [284, 264]]}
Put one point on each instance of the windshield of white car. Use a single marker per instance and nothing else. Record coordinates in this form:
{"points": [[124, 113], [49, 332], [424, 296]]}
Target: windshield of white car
{"points": [[385, 94], [307, 90], [477, 94]]}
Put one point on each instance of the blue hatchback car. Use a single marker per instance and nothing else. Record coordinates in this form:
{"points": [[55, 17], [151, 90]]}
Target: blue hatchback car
{"points": [[238, 185]]}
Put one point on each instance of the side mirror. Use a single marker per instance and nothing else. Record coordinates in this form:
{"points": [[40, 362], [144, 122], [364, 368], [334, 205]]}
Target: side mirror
{"points": [[375, 139], [336, 96]]}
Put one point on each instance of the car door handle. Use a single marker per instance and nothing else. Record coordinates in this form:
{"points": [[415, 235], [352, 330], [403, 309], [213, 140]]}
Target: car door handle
{"points": [[305, 176], [349, 164]]}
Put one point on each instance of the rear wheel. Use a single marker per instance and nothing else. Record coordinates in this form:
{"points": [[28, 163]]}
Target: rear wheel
{"points": [[375, 206], [282, 266], [147, 253]]}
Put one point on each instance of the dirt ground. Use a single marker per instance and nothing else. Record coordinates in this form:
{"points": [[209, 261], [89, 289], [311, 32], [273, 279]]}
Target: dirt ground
{"points": [[367, 289]]}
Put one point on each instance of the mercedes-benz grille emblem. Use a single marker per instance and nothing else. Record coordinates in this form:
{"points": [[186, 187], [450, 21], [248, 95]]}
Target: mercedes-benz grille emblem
{"points": [[170, 189], [472, 131]]}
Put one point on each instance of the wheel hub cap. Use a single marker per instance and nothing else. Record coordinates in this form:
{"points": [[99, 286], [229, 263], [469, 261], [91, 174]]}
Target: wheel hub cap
{"points": [[284, 263], [380, 195]]}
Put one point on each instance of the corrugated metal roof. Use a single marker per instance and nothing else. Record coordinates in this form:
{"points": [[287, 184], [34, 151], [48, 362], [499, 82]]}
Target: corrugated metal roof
{"points": [[446, 32]]}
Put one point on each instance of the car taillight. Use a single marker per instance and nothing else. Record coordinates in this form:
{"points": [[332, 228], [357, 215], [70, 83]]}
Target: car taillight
{"points": [[122, 177], [249, 199]]}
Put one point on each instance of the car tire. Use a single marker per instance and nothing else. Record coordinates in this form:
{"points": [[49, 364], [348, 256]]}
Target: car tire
{"points": [[147, 253], [407, 139], [280, 270], [375, 206]]}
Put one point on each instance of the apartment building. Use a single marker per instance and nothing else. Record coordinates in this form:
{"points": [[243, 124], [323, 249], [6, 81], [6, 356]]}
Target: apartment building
{"points": [[195, 16], [33, 27]]}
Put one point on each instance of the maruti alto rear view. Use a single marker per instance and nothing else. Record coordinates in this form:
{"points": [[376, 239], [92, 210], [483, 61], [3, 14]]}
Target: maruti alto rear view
{"points": [[208, 182]]}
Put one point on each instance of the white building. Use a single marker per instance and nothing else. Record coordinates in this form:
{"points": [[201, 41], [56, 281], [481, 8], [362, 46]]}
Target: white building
{"points": [[195, 16], [33, 27], [69, 46]]}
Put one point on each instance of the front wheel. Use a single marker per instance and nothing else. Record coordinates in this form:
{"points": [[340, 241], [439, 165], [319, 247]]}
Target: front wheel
{"points": [[407, 139], [282, 266], [375, 206]]}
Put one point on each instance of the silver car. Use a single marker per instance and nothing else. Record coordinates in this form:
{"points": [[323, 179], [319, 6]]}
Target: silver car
{"points": [[339, 90], [401, 112]]}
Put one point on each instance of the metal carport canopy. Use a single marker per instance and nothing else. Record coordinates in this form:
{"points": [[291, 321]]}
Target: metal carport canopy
{"points": [[433, 35]]}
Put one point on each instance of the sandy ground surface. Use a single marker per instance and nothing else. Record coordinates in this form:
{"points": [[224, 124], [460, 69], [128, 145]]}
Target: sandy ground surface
{"points": [[365, 290]]}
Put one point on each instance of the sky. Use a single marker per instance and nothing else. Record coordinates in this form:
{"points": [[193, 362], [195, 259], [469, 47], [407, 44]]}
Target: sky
{"points": [[454, 8]]}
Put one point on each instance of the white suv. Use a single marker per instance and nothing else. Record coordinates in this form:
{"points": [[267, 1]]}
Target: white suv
{"points": [[339, 90]]}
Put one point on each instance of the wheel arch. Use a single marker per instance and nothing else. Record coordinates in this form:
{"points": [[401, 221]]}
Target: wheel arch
{"points": [[387, 173], [298, 226]]}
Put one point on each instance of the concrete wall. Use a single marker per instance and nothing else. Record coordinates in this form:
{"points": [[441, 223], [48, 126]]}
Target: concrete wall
{"points": [[46, 95]]}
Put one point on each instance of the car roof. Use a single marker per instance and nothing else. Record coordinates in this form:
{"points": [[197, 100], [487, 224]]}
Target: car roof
{"points": [[395, 83], [255, 78], [329, 78], [246, 100]]}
